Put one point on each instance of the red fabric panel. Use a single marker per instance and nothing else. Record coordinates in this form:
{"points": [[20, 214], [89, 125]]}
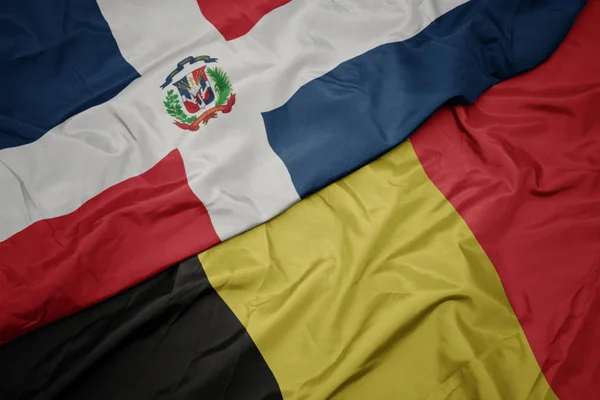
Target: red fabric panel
{"points": [[119, 238], [522, 167], [235, 18]]}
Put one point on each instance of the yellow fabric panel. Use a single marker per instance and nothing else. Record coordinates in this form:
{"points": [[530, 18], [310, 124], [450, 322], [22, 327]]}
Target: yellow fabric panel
{"points": [[375, 288]]}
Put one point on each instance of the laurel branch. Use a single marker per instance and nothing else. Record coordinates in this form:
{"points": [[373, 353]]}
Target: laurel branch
{"points": [[175, 109]]}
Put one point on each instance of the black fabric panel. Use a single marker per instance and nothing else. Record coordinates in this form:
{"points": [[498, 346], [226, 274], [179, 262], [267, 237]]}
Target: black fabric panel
{"points": [[172, 337]]}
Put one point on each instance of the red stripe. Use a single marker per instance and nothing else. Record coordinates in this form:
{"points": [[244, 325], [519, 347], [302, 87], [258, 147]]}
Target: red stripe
{"points": [[235, 18], [522, 167], [126, 234]]}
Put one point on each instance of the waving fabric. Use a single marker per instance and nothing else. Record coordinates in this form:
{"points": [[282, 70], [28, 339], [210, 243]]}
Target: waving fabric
{"points": [[461, 264], [160, 129]]}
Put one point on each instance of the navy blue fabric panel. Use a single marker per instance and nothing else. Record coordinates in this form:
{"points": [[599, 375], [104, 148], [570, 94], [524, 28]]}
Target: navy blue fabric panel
{"points": [[57, 58], [369, 104]]}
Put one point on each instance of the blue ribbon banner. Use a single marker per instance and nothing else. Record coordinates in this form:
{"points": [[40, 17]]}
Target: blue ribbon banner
{"points": [[182, 63]]}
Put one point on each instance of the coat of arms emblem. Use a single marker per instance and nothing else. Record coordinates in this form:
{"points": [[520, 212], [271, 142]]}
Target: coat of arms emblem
{"points": [[195, 93]]}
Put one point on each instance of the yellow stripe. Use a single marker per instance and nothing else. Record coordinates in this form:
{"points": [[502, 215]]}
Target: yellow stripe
{"points": [[375, 288]]}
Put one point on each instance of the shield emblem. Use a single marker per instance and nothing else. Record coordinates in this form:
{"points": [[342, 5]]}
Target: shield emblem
{"points": [[195, 90], [205, 93]]}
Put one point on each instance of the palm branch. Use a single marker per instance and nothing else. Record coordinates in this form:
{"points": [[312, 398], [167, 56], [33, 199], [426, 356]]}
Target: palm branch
{"points": [[222, 84]]}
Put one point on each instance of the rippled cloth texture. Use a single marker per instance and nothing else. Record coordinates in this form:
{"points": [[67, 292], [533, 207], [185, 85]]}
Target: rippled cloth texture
{"points": [[522, 167], [321, 88], [375, 288], [169, 337], [396, 282]]}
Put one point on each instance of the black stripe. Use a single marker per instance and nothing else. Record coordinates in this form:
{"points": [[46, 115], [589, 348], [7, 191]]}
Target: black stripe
{"points": [[172, 337]]}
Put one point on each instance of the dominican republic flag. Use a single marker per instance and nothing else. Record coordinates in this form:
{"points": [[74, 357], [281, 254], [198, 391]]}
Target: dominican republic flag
{"points": [[137, 134]]}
